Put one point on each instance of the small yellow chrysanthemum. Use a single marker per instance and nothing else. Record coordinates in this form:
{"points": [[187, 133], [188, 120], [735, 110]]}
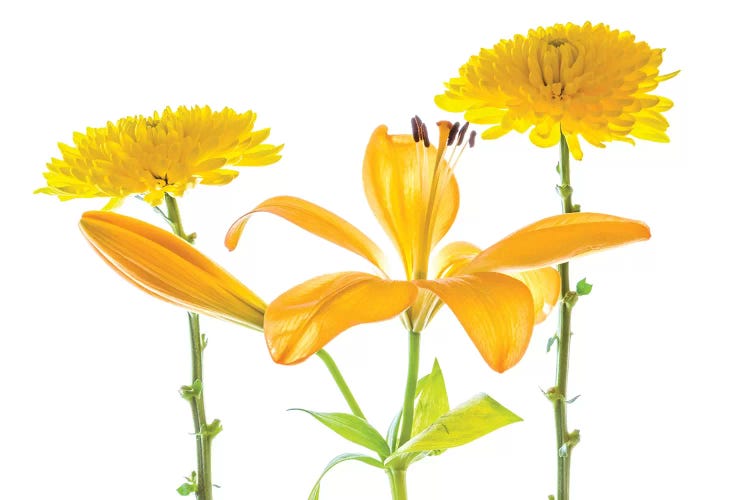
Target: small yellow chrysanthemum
{"points": [[151, 156], [586, 81]]}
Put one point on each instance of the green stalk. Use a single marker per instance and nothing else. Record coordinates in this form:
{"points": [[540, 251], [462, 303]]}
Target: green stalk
{"points": [[407, 417], [194, 393], [341, 383], [397, 478], [565, 439]]}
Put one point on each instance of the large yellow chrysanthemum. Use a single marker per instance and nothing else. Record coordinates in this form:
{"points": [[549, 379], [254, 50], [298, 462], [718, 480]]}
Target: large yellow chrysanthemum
{"points": [[586, 81], [155, 155]]}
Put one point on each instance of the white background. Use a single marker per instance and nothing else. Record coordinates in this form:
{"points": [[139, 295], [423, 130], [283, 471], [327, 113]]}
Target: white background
{"points": [[90, 366]]}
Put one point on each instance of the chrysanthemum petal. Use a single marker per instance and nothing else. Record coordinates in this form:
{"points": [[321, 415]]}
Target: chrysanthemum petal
{"points": [[304, 319], [574, 146], [589, 78], [163, 153], [316, 220], [397, 176], [557, 239], [496, 132], [662, 78], [219, 177], [496, 311], [544, 285], [170, 268]]}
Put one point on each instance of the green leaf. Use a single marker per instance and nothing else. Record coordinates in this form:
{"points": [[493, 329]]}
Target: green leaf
{"points": [[392, 436], [583, 288], [353, 428], [212, 429], [473, 419], [315, 492], [190, 486], [551, 341], [185, 489], [192, 391], [432, 401]]}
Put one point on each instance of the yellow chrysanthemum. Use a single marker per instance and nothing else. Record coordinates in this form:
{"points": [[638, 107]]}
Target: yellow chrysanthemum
{"points": [[155, 155], [586, 81]]}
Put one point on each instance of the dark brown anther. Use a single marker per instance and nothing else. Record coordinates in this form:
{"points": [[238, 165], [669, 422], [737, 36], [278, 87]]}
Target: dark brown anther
{"points": [[452, 134], [472, 138], [415, 129], [425, 138], [462, 133]]}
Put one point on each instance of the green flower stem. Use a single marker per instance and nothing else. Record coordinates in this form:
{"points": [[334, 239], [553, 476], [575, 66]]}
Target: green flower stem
{"points": [[397, 478], [341, 383], [559, 394], [203, 438], [407, 417]]}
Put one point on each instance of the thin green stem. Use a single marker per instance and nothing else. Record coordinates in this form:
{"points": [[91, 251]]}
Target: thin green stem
{"points": [[564, 439], [397, 478], [203, 436], [407, 417], [341, 383]]}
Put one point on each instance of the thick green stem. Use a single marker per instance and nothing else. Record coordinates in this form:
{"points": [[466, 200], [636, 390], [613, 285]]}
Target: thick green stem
{"points": [[559, 393], [202, 435], [407, 417], [341, 383], [397, 478]]}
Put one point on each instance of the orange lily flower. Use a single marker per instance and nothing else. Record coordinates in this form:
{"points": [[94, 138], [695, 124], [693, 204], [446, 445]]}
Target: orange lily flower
{"points": [[498, 294]]}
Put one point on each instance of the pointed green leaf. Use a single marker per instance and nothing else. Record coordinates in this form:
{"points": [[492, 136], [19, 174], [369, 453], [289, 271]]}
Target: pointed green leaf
{"points": [[583, 288], [550, 342], [315, 492], [391, 436], [186, 489], [463, 424], [353, 428], [190, 486], [432, 401]]}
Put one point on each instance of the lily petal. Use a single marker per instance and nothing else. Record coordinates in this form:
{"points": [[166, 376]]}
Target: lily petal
{"points": [[170, 269], [316, 220], [558, 239], [496, 311], [453, 257], [397, 176], [544, 285], [449, 261], [305, 318]]}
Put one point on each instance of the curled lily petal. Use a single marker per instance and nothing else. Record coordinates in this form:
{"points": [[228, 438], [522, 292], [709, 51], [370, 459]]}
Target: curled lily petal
{"points": [[544, 285], [398, 174], [496, 311], [557, 239], [305, 318], [316, 220], [453, 257], [169, 268]]}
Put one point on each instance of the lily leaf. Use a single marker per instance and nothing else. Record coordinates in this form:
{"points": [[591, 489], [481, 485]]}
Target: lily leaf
{"points": [[432, 401], [315, 492], [465, 423], [392, 436], [353, 428]]}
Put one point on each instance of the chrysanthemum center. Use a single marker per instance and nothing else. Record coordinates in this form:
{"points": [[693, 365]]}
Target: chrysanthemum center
{"points": [[557, 42], [152, 122]]}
